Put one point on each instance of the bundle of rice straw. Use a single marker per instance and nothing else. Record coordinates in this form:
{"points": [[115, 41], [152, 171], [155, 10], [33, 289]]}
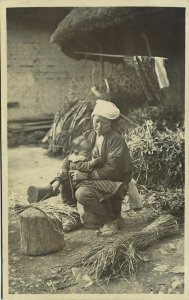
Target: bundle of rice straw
{"points": [[68, 123], [123, 255], [53, 210]]}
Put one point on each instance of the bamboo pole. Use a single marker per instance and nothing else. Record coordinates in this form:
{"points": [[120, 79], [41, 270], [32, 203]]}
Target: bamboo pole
{"points": [[144, 36], [112, 55], [101, 70]]}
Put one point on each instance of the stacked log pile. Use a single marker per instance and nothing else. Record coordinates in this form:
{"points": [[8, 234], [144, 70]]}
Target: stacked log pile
{"points": [[28, 130]]}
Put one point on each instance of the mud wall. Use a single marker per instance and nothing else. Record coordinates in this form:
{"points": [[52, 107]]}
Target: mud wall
{"points": [[40, 77]]}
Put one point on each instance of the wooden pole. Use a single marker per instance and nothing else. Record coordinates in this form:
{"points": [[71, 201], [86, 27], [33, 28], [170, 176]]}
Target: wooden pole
{"points": [[101, 69], [144, 36], [110, 55]]}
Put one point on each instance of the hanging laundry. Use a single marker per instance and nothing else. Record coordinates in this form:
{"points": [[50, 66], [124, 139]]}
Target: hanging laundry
{"points": [[161, 72], [152, 75], [145, 69]]}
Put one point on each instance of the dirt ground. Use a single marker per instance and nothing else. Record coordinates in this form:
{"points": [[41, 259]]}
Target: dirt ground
{"points": [[162, 273]]}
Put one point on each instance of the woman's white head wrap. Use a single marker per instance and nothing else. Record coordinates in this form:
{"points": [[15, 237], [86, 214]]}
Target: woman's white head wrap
{"points": [[106, 109]]}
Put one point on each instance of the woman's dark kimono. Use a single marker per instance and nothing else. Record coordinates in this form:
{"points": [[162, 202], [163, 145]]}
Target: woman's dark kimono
{"points": [[115, 165]]}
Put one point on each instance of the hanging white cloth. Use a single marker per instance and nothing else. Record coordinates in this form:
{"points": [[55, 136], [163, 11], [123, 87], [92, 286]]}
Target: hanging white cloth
{"points": [[161, 72]]}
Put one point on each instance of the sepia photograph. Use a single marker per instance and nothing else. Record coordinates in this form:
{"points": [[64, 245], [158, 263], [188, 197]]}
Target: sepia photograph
{"points": [[94, 119]]}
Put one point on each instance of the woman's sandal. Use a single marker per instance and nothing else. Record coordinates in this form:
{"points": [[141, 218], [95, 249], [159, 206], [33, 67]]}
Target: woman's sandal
{"points": [[107, 230]]}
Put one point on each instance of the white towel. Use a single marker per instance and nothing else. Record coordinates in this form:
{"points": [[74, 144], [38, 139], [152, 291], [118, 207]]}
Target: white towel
{"points": [[161, 72]]}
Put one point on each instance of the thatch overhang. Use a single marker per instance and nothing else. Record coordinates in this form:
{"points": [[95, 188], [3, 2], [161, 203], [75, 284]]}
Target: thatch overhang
{"points": [[121, 30]]}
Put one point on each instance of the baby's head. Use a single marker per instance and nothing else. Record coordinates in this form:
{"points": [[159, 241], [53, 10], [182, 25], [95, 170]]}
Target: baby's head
{"points": [[82, 146]]}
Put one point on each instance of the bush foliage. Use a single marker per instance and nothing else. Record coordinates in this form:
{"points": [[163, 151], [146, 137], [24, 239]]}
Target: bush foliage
{"points": [[156, 145], [165, 199], [158, 156]]}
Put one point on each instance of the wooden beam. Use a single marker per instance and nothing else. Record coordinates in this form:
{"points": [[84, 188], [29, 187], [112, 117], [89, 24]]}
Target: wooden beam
{"points": [[99, 54], [31, 119], [31, 128], [101, 78], [112, 55]]}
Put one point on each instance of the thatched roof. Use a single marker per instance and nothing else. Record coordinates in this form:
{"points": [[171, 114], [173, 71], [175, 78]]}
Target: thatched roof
{"points": [[118, 30]]}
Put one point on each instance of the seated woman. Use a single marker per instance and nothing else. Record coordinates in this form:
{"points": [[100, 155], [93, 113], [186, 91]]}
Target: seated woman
{"points": [[115, 165], [81, 159]]}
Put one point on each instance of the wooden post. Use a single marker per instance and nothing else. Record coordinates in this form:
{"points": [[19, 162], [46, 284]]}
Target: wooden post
{"points": [[144, 36], [101, 69], [38, 234]]}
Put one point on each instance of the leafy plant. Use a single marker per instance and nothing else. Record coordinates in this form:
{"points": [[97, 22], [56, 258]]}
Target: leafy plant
{"points": [[158, 156], [162, 198]]}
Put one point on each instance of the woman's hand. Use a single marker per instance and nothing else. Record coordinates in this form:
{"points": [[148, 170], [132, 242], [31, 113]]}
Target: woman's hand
{"points": [[77, 175], [56, 186]]}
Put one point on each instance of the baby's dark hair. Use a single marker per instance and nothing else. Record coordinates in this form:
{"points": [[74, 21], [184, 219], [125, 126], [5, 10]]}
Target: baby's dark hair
{"points": [[78, 141]]}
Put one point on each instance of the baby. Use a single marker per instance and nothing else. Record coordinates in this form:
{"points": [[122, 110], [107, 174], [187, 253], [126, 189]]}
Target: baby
{"points": [[81, 160]]}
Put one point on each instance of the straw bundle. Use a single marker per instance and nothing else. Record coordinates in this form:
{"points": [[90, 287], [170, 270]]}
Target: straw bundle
{"points": [[41, 230], [123, 255], [38, 235], [53, 211], [68, 123]]}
